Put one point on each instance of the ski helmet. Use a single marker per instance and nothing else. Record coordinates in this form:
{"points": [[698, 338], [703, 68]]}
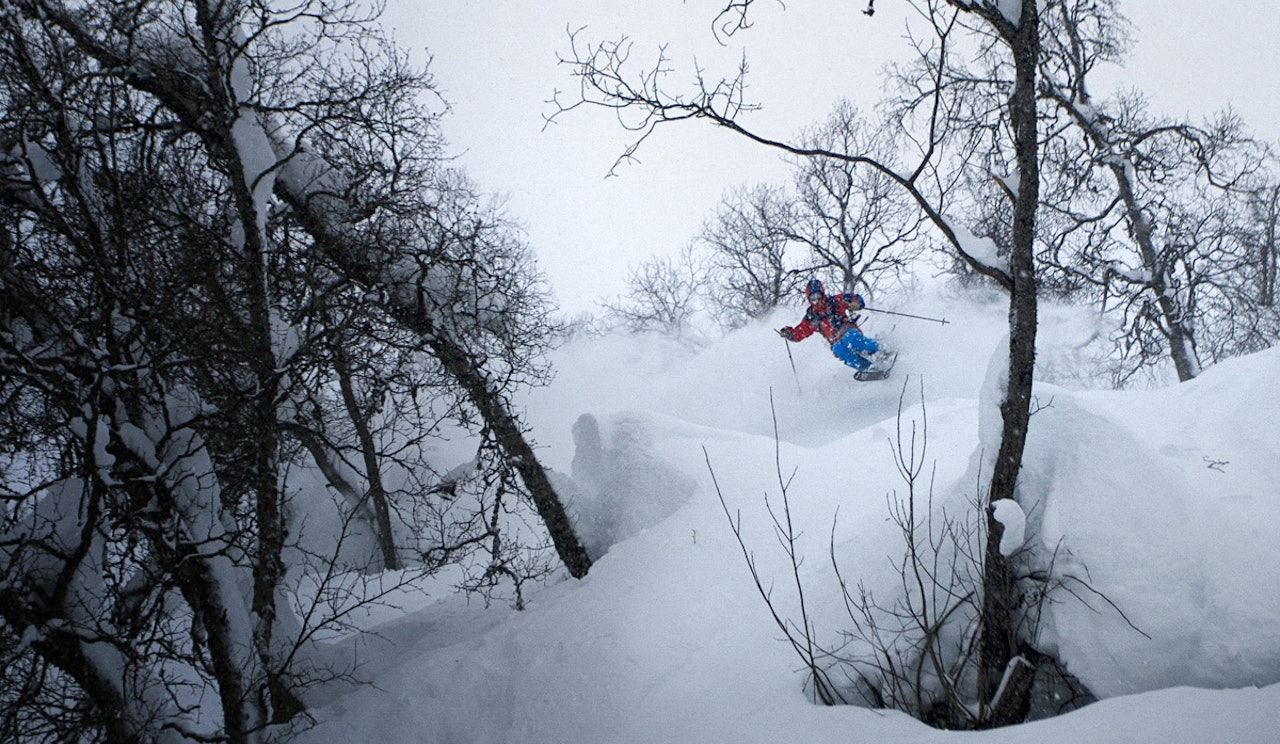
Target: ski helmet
{"points": [[813, 288]]}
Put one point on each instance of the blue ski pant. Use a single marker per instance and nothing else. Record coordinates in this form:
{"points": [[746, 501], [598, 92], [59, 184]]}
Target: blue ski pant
{"points": [[851, 346]]}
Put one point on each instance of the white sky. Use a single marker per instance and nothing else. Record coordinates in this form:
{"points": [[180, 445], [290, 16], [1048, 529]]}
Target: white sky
{"points": [[496, 63]]}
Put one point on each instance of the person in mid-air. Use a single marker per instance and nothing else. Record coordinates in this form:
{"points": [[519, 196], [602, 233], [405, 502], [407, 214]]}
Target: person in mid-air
{"points": [[829, 315]]}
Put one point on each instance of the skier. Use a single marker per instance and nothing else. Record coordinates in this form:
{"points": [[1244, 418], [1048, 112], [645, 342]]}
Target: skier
{"points": [[829, 314]]}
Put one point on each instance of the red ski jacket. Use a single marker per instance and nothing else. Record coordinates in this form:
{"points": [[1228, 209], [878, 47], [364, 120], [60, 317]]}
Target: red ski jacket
{"points": [[830, 316]]}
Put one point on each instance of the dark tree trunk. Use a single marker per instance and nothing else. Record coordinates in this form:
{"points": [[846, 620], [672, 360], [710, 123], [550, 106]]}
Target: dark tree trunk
{"points": [[376, 493], [509, 435], [66, 651], [355, 262], [1267, 247], [998, 645]]}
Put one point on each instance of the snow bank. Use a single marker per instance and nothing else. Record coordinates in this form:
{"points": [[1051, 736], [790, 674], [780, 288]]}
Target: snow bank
{"points": [[1160, 500]]}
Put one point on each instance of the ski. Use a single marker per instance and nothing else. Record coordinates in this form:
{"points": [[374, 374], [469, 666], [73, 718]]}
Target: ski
{"points": [[880, 367]]}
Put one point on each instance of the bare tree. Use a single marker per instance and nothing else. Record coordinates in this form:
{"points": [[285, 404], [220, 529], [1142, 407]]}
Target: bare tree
{"points": [[850, 218], [834, 220], [193, 197], [918, 650], [1220, 243], [1164, 177], [1264, 239], [747, 245], [665, 294]]}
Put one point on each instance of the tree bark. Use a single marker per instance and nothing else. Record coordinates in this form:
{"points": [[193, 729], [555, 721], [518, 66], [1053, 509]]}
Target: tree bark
{"points": [[997, 646], [1267, 248], [1013, 699]]}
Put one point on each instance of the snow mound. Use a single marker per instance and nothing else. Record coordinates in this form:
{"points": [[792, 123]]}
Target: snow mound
{"points": [[620, 486], [1162, 502]]}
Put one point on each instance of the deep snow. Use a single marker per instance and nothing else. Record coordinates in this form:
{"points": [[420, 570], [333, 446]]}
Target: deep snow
{"points": [[1165, 499]]}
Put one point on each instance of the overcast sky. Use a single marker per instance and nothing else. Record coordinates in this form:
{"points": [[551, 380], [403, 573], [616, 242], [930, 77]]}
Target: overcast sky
{"points": [[496, 63]]}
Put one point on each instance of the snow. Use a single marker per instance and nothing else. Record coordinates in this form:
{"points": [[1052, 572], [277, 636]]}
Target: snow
{"points": [[981, 249], [1011, 10], [1162, 500], [257, 157], [1010, 516], [41, 166]]}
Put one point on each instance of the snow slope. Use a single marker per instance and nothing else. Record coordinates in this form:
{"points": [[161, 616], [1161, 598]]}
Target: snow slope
{"points": [[1165, 500]]}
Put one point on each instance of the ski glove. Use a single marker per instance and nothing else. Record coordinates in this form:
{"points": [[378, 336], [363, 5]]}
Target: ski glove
{"points": [[785, 332]]}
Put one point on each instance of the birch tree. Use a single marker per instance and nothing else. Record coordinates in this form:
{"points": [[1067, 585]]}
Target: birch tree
{"points": [[1160, 179]]}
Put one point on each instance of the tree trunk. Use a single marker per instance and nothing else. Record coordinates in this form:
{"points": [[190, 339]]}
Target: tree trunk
{"points": [[264, 430], [197, 551], [1013, 698], [510, 437], [411, 310], [997, 644], [1267, 248], [67, 652], [1173, 320], [376, 493], [240, 692]]}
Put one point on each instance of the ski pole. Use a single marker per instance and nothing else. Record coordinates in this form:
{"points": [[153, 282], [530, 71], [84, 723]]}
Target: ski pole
{"points": [[793, 367], [943, 321]]}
